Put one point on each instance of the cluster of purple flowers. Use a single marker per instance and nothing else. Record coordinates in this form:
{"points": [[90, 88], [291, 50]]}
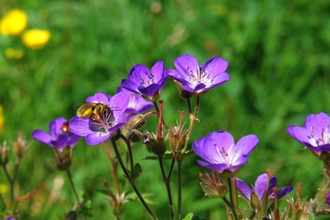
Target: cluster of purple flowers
{"points": [[137, 94]]}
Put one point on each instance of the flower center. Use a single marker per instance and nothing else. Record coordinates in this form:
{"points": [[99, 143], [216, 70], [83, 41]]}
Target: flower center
{"points": [[198, 76], [323, 139], [224, 157], [147, 79], [103, 121]]}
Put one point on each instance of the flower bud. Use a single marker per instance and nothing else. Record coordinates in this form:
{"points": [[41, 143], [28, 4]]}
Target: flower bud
{"points": [[156, 145], [177, 139], [20, 146], [117, 202], [4, 154], [213, 184], [254, 202], [63, 159], [136, 122]]}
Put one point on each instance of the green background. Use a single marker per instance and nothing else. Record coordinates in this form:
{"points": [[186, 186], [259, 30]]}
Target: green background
{"points": [[278, 54]]}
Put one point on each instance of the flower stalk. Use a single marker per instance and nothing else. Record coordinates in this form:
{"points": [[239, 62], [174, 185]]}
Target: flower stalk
{"points": [[130, 179]]}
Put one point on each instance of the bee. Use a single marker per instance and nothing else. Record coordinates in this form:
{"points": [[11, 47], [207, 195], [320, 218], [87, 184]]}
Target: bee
{"points": [[92, 110]]}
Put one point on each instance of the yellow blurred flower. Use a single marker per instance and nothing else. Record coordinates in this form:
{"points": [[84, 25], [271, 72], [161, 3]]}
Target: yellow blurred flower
{"points": [[3, 188], [13, 22], [2, 120], [35, 38], [12, 53]]}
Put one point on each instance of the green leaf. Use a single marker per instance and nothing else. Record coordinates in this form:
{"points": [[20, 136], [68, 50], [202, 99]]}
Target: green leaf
{"points": [[190, 216], [137, 171]]}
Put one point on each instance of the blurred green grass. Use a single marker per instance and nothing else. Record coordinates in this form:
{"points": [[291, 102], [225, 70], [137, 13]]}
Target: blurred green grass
{"points": [[278, 53]]}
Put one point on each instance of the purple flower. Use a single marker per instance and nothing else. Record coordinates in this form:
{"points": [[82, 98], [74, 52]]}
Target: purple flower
{"points": [[59, 135], [315, 134], [136, 104], [147, 83], [99, 126], [327, 196], [197, 78], [260, 188], [220, 153]]}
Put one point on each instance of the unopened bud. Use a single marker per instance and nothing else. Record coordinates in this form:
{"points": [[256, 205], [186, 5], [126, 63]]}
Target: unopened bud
{"points": [[254, 202], [213, 185], [136, 122], [20, 146], [156, 145], [177, 140], [63, 159], [4, 154]]}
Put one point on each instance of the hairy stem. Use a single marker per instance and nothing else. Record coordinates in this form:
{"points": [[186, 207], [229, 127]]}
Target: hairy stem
{"points": [[193, 118], [130, 179], [179, 163], [233, 196], [166, 180], [113, 168]]}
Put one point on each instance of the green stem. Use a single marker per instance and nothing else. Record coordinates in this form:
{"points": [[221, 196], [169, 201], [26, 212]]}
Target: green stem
{"points": [[168, 187], [229, 204], [112, 168], [172, 164], [189, 105], [73, 188], [11, 180], [72, 185], [193, 118], [129, 148], [130, 180], [156, 106], [233, 196], [179, 162]]}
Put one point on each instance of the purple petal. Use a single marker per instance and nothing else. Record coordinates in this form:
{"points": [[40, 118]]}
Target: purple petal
{"points": [[41, 136], [224, 139], [198, 87], [130, 85], [55, 127], [217, 167], [174, 74], [186, 64], [96, 138], [61, 142], [158, 71], [325, 147], [198, 147], [260, 185], [136, 104], [247, 143], [244, 188], [299, 133], [285, 190], [208, 147], [149, 91], [98, 98], [219, 79], [272, 183], [119, 103], [317, 123], [215, 66], [140, 75], [73, 140], [79, 126]]}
